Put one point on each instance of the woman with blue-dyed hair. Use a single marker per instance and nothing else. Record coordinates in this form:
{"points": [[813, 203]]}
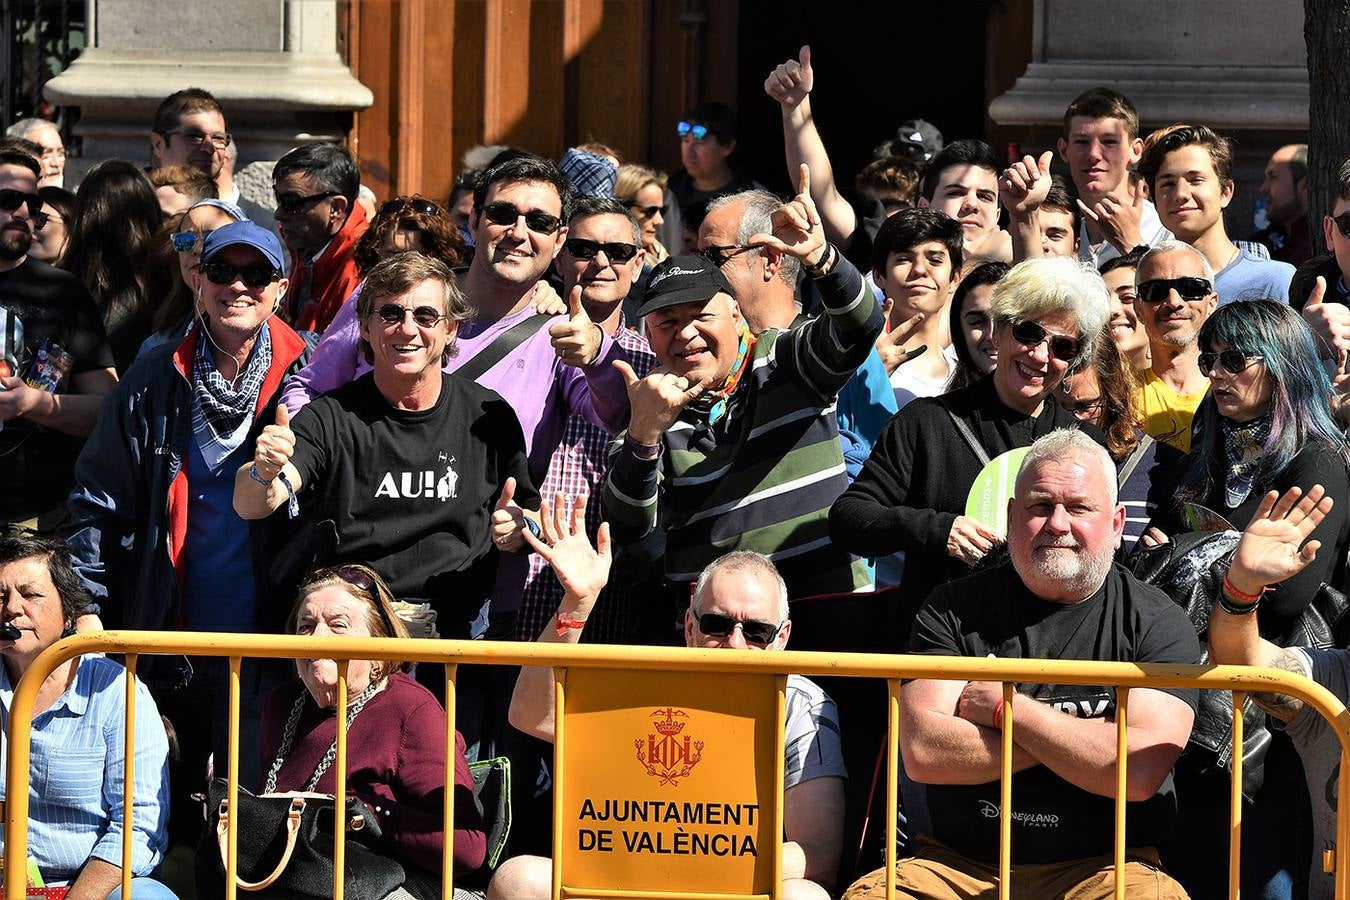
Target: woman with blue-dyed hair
{"points": [[1267, 425]]}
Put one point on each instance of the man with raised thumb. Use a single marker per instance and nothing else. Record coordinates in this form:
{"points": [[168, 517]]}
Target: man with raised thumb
{"points": [[732, 439]]}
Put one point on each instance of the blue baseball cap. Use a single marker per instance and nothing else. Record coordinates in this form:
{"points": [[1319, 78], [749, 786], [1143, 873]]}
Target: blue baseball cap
{"points": [[248, 234]]}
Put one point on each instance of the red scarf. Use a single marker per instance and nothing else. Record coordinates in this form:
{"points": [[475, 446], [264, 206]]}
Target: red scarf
{"points": [[335, 275]]}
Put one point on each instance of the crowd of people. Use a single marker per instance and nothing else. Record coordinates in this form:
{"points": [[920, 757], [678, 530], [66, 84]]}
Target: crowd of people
{"points": [[586, 400]]}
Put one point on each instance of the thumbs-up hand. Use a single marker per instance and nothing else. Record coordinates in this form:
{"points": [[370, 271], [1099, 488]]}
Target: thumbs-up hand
{"points": [[796, 225], [1329, 321], [276, 445], [576, 341], [1025, 184], [790, 82], [508, 519], [656, 401]]}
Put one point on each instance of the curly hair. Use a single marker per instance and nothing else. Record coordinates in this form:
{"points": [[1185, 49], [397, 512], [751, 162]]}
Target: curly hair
{"points": [[440, 238]]}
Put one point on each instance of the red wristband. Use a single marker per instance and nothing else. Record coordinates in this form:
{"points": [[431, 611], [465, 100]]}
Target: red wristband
{"points": [[1238, 595], [998, 714], [565, 624]]}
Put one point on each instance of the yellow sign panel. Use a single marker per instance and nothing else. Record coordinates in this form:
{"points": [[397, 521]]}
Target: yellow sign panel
{"points": [[669, 781]]}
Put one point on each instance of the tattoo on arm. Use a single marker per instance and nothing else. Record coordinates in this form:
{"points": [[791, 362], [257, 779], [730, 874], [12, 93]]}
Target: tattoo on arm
{"points": [[1282, 706]]}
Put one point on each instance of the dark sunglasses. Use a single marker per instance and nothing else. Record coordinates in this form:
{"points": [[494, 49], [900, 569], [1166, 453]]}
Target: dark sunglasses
{"points": [[1232, 361], [503, 213], [698, 131], [720, 256], [11, 200], [1343, 224], [755, 632], [646, 212], [255, 275], [1188, 288], [293, 203], [416, 204], [582, 248], [1031, 334], [424, 316]]}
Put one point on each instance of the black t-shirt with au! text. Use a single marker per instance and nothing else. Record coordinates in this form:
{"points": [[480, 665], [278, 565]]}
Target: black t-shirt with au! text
{"points": [[411, 493], [55, 313], [993, 614]]}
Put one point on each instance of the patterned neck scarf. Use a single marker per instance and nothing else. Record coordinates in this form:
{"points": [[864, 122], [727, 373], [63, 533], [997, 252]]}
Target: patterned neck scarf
{"points": [[1244, 446], [222, 413], [714, 403]]}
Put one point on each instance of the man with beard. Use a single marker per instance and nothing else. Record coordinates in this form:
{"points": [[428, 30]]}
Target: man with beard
{"points": [[55, 364], [1060, 597], [1175, 296]]}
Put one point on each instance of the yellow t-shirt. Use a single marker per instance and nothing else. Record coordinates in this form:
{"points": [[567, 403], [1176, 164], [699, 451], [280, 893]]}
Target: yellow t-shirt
{"points": [[1167, 414]]}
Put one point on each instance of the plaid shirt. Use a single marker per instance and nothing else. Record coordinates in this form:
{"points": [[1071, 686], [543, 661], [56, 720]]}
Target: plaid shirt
{"points": [[580, 464]]}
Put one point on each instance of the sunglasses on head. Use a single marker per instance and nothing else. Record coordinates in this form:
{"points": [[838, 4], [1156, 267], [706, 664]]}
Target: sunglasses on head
{"points": [[698, 131], [582, 248], [503, 213], [185, 241], [645, 212], [416, 204], [1030, 334], [254, 275], [424, 316], [1232, 361], [1343, 224], [754, 631], [1188, 288], [11, 200]]}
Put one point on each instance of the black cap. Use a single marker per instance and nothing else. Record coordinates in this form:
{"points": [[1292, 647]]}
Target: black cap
{"points": [[683, 279]]}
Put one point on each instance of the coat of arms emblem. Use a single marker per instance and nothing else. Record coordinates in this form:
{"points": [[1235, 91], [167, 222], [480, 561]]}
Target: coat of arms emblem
{"points": [[669, 755]]}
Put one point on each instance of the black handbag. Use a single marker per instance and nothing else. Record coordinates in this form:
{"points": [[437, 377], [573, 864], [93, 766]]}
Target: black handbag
{"points": [[285, 841], [1190, 569], [285, 847]]}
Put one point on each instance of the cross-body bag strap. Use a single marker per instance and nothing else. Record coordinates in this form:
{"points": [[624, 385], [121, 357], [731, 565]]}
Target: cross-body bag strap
{"points": [[1130, 464], [980, 453], [502, 346]]}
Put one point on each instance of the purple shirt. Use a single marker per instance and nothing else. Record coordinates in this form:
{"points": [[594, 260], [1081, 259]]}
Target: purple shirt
{"points": [[540, 388]]}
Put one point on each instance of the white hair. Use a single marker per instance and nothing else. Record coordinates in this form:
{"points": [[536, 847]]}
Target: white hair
{"points": [[21, 128], [1046, 285], [742, 560], [1061, 443], [1174, 247]]}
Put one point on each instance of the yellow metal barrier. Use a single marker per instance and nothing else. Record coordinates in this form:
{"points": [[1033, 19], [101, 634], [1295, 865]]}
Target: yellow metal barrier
{"points": [[893, 668]]}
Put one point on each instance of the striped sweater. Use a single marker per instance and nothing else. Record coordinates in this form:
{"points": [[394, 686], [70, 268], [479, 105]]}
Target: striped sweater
{"points": [[763, 477]]}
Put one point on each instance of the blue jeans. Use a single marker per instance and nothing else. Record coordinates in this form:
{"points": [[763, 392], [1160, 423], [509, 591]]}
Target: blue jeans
{"points": [[144, 889]]}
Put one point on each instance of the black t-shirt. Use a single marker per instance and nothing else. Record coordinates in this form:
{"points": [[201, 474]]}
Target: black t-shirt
{"points": [[993, 614], [411, 493], [56, 313]]}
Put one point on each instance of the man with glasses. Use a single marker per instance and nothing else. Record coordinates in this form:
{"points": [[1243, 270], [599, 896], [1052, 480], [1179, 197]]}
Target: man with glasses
{"points": [[55, 362], [1058, 596], [740, 602], [600, 260], [189, 130], [732, 442], [152, 526], [406, 465], [1175, 295], [320, 221], [46, 135]]}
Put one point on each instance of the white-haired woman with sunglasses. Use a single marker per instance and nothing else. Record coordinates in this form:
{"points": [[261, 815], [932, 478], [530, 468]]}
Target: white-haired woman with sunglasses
{"points": [[911, 495], [395, 736]]}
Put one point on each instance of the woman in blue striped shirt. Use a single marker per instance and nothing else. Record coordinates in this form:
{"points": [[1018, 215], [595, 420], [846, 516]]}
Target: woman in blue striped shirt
{"points": [[76, 779]]}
